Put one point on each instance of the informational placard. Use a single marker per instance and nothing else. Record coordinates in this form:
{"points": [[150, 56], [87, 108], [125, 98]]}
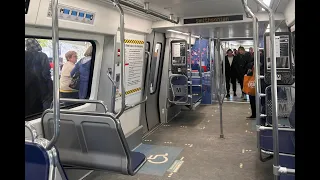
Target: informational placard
{"points": [[134, 63], [176, 50], [281, 49], [134, 50], [178, 53]]}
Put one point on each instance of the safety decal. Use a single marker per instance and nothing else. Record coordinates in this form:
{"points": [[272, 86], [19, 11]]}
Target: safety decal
{"points": [[130, 41]]}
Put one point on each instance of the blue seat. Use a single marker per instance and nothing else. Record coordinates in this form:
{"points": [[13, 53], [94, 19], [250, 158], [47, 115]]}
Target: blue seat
{"points": [[287, 177], [37, 162], [137, 160], [196, 81], [286, 144], [288, 162]]}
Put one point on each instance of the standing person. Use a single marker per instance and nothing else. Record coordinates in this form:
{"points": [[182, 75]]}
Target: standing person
{"points": [[37, 73], [242, 60], [251, 52], [263, 86], [252, 98], [83, 67], [65, 79], [231, 73], [235, 52]]}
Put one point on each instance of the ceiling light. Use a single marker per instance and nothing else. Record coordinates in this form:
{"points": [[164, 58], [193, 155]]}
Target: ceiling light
{"points": [[178, 32], [174, 31], [267, 2], [268, 28]]}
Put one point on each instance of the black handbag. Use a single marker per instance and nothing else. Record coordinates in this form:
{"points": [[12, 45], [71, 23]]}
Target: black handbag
{"points": [[75, 81]]}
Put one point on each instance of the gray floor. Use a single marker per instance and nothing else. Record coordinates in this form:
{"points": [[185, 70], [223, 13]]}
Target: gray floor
{"points": [[205, 155]]}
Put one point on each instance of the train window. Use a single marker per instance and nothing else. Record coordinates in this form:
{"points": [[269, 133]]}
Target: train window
{"points": [[27, 3], [76, 58], [155, 67]]}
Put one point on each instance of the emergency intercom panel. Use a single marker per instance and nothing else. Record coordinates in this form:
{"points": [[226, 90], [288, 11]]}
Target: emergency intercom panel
{"points": [[179, 56], [284, 61]]}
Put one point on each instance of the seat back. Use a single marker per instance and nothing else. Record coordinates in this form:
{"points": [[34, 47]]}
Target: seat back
{"points": [[42, 164], [90, 140], [179, 88], [292, 117], [286, 99], [37, 162]]}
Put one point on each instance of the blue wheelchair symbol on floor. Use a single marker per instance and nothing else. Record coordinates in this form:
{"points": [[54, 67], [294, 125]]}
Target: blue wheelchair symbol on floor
{"points": [[158, 159]]}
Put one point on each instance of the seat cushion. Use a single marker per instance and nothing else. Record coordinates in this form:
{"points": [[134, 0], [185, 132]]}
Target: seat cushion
{"points": [[287, 177], [287, 161], [286, 144], [36, 162], [137, 159]]}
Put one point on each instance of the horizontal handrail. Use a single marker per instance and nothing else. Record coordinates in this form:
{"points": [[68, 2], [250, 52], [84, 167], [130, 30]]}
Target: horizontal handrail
{"points": [[284, 170], [280, 129], [85, 101]]}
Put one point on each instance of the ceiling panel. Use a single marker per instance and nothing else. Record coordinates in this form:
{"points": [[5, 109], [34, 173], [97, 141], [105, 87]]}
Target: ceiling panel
{"points": [[201, 8], [190, 8], [236, 30], [196, 8]]}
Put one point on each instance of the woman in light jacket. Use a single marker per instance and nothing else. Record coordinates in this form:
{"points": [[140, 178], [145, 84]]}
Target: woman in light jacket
{"points": [[83, 67], [65, 79]]}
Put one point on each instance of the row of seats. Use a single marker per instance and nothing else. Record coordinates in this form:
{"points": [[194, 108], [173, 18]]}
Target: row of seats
{"points": [[285, 133], [92, 141], [87, 140]]}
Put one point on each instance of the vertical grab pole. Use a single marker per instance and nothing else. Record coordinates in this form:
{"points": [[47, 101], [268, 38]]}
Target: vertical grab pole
{"points": [[250, 14], [257, 72], [212, 69], [222, 88], [190, 64], [146, 91], [56, 69], [223, 74], [217, 70], [219, 84], [122, 54], [274, 92], [200, 72]]}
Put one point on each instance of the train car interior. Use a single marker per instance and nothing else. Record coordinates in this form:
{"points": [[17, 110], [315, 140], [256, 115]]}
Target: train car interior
{"points": [[159, 89]]}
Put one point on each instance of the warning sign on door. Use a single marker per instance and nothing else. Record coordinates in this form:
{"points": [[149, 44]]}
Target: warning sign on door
{"points": [[134, 50]]}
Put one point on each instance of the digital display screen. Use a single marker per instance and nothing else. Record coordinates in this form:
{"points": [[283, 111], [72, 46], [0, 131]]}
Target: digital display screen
{"points": [[81, 14], [88, 16], [213, 19], [66, 11], [74, 13]]}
